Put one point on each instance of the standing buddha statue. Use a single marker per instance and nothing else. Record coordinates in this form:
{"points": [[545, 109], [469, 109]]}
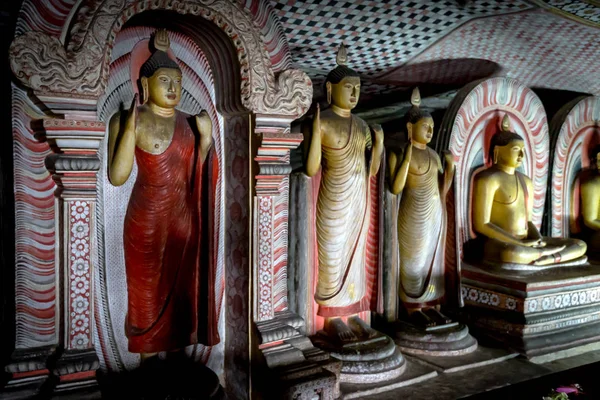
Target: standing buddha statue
{"points": [[424, 184], [501, 211], [339, 148], [162, 235], [590, 205]]}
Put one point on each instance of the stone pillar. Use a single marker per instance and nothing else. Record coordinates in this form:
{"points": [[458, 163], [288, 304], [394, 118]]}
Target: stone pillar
{"points": [[303, 370], [74, 166]]}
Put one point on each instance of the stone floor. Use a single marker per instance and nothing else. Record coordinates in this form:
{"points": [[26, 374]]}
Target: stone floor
{"points": [[474, 381]]}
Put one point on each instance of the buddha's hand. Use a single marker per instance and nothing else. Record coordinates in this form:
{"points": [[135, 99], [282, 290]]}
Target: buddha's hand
{"points": [[130, 122], [378, 134], [408, 149], [204, 125], [449, 157], [316, 129], [534, 242]]}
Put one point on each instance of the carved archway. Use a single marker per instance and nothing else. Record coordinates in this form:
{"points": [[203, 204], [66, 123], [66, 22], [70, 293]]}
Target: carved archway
{"points": [[80, 67], [67, 76], [472, 117], [575, 131]]}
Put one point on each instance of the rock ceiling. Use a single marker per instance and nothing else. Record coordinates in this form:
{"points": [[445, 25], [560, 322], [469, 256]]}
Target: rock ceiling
{"points": [[395, 45]]}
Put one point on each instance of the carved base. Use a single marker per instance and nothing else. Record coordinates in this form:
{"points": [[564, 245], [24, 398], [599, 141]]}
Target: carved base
{"points": [[443, 341], [76, 373], [365, 361], [535, 313], [294, 367], [28, 373], [415, 372]]}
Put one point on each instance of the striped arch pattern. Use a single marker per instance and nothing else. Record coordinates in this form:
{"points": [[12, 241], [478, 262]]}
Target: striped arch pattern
{"points": [[575, 133], [472, 119], [197, 94], [36, 308]]}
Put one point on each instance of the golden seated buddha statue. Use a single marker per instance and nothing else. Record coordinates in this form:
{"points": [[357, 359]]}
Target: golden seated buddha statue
{"points": [[590, 205], [502, 205]]}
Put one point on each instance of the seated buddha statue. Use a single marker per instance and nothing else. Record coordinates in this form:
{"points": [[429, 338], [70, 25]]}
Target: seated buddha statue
{"points": [[590, 205], [502, 204]]}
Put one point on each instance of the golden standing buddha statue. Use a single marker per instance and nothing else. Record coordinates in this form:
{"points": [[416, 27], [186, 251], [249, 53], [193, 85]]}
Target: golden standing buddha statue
{"points": [[162, 233], [590, 205], [502, 205], [339, 146], [424, 184]]}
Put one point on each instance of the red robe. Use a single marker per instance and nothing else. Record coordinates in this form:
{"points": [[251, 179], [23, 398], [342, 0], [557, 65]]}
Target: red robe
{"points": [[170, 276]]}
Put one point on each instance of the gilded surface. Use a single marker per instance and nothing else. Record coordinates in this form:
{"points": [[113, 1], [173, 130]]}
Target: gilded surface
{"points": [[590, 206], [502, 206]]}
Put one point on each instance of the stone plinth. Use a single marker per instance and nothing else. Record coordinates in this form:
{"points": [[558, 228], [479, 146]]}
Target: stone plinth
{"points": [[546, 314]]}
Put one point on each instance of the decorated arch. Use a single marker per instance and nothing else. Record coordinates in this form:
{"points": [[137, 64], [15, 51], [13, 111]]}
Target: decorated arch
{"points": [[73, 60], [472, 119], [576, 131]]}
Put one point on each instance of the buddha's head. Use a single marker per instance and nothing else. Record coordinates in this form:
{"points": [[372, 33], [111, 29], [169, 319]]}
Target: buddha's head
{"points": [[160, 76], [420, 123], [507, 148], [342, 83], [595, 157]]}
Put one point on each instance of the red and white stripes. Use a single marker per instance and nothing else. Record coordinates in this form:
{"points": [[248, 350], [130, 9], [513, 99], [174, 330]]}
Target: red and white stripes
{"points": [[578, 132], [479, 110], [35, 269]]}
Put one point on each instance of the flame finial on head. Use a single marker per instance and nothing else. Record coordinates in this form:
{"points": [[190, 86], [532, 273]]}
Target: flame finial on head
{"points": [[415, 97], [161, 40], [342, 55], [505, 127]]}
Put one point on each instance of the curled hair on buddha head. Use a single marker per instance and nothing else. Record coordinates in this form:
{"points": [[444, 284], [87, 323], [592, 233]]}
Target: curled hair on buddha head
{"points": [[504, 137], [415, 114], [594, 151], [159, 58], [341, 71]]}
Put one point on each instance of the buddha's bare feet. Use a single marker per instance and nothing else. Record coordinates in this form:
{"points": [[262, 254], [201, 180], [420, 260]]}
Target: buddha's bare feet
{"points": [[420, 319], [546, 260], [361, 328], [437, 316], [337, 329], [552, 250]]}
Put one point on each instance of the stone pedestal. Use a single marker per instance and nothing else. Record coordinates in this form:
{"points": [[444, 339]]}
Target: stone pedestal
{"points": [[452, 339], [543, 315], [372, 358], [28, 372]]}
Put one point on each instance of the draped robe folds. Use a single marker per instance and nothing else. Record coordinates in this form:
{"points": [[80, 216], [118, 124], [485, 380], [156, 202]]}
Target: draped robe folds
{"points": [[165, 256], [342, 222], [421, 238]]}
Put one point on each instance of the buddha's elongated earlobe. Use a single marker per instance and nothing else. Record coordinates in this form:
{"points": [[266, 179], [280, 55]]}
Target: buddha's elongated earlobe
{"points": [[328, 88], [144, 81], [496, 156]]}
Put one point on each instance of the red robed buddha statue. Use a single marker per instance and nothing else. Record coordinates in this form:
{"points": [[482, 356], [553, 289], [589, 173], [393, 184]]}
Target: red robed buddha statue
{"points": [[166, 255]]}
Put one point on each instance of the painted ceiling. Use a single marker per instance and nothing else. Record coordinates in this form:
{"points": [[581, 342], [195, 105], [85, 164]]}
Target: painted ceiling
{"points": [[396, 45], [439, 45]]}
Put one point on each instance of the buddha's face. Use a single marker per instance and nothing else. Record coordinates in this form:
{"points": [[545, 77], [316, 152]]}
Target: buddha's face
{"points": [[510, 155], [422, 130], [164, 87], [345, 93]]}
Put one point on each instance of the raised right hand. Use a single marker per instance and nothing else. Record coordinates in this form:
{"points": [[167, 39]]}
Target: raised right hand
{"points": [[317, 122], [130, 122], [408, 149]]}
